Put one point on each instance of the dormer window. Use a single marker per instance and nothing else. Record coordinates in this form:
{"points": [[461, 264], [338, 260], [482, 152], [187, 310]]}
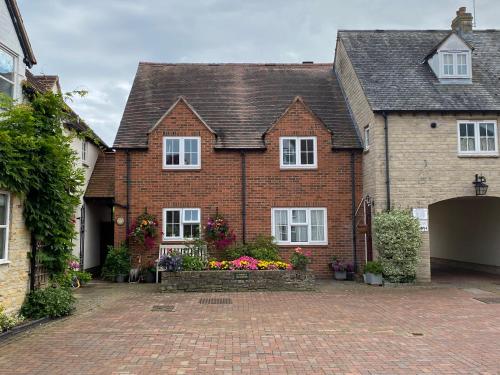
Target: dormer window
{"points": [[455, 65]]}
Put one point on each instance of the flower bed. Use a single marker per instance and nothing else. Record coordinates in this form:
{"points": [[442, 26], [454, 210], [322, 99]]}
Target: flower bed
{"points": [[236, 280], [248, 263]]}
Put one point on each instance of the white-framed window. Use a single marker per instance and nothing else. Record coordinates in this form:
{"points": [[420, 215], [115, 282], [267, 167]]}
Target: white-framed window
{"points": [[455, 64], [298, 152], [477, 137], [367, 137], [299, 226], [7, 73], [181, 152], [4, 226], [84, 150], [181, 224]]}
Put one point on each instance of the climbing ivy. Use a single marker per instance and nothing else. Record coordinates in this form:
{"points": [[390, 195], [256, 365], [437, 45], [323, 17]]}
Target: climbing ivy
{"points": [[38, 164]]}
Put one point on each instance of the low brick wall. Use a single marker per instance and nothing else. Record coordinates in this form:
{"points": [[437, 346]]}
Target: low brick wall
{"points": [[236, 281]]}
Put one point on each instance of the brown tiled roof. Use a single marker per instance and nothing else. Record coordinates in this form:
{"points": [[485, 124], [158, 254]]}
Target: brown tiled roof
{"points": [[102, 181], [44, 83], [238, 101], [17, 20], [48, 82]]}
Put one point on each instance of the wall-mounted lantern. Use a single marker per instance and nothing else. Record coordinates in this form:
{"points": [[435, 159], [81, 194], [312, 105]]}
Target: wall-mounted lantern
{"points": [[480, 185]]}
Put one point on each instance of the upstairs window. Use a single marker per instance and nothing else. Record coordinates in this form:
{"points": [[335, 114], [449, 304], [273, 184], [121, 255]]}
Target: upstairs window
{"points": [[181, 153], [7, 73], [4, 226], [477, 138], [455, 65], [84, 150], [299, 226], [298, 152], [181, 223]]}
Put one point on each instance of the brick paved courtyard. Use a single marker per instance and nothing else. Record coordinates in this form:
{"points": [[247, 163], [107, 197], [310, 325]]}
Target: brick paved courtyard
{"points": [[342, 328]]}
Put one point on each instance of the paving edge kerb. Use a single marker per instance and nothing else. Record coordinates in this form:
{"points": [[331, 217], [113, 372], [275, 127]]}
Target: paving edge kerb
{"points": [[24, 327]]}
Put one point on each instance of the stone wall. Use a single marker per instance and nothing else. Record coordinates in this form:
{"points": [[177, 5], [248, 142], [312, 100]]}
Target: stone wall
{"points": [[236, 281], [14, 274]]}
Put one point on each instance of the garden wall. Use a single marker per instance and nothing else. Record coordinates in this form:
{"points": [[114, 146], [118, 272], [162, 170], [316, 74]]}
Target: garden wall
{"points": [[236, 281]]}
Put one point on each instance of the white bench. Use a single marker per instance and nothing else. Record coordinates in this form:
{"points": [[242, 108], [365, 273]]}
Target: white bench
{"points": [[200, 252]]}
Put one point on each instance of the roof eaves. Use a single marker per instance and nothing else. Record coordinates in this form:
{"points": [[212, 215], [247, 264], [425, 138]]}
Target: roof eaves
{"points": [[17, 20]]}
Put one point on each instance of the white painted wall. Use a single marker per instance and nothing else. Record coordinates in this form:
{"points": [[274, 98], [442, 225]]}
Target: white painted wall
{"points": [[466, 230], [10, 42]]}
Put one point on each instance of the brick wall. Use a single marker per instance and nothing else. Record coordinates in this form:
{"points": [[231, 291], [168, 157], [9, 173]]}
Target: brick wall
{"points": [[217, 185]]}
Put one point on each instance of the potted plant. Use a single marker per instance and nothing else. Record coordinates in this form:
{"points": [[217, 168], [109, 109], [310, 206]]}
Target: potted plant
{"points": [[373, 273], [117, 264], [148, 272], [339, 270], [300, 259], [170, 262]]}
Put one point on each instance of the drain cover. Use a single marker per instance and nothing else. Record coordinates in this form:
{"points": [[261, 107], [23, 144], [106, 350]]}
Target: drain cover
{"points": [[165, 308], [489, 300], [216, 301]]}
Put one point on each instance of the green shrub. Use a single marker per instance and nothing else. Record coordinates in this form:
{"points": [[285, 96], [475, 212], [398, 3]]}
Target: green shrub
{"points": [[8, 321], [192, 263], [117, 262], [65, 279], [398, 240], [374, 267], [262, 248], [51, 302]]}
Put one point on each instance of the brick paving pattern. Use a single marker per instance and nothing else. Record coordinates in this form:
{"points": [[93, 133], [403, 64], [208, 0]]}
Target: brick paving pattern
{"points": [[341, 329]]}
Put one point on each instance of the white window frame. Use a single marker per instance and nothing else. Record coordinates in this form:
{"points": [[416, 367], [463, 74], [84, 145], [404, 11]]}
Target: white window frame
{"points": [[14, 61], [181, 164], [477, 138], [5, 259], [367, 137], [181, 223], [308, 222], [298, 164], [84, 150], [454, 55]]}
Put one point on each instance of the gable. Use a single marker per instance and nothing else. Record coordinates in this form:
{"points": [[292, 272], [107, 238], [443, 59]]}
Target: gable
{"points": [[8, 35]]}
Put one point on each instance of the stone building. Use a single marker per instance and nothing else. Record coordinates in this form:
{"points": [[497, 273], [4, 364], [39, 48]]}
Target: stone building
{"points": [[15, 56], [427, 104]]}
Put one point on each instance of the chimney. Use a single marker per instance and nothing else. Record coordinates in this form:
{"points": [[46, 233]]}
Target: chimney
{"points": [[462, 22]]}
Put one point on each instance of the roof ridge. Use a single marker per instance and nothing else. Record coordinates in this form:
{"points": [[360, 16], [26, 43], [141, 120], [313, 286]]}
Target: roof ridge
{"points": [[235, 64], [409, 30]]}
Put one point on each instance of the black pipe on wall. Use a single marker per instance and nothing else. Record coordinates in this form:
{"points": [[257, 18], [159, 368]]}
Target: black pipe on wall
{"points": [[243, 196], [127, 226], [387, 170]]}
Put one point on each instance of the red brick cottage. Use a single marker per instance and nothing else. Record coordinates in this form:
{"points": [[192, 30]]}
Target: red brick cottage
{"points": [[272, 147]]}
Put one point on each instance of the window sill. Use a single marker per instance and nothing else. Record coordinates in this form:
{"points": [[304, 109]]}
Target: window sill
{"points": [[294, 168], [4, 261], [181, 168], [478, 155], [302, 244]]}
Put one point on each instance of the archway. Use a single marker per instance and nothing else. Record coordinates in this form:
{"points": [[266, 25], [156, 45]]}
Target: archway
{"points": [[464, 236]]}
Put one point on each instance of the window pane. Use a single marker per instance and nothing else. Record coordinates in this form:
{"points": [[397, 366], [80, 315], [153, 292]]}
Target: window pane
{"points": [[191, 230], [462, 64], [289, 152], [191, 152], [299, 216], [3, 242], [482, 130], [490, 130], [281, 225], [463, 130], [306, 151], [173, 224], [3, 209], [463, 144], [191, 215], [6, 88], [6, 65], [491, 144], [317, 225], [172, 151], [299, 233], [448, 64]]}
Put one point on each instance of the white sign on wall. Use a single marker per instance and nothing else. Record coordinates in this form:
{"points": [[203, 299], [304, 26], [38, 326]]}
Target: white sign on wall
{"points": [[422, 214]]}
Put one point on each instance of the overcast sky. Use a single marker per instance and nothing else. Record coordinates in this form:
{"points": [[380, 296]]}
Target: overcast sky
{"points": [[97, 44]]}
